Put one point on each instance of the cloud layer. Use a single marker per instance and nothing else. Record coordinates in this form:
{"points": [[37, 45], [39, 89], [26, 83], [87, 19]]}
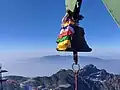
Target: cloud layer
{"points": [[31, 63]]}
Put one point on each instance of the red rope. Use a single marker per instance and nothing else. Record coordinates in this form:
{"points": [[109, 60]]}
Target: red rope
{"points": [[76, 80], [75, 57]]}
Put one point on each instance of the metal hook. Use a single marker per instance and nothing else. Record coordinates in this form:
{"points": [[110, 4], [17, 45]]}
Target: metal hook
{"points": [[77, 67]]}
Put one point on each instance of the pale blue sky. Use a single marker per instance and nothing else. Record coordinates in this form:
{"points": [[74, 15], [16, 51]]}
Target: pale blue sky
{"points": [[30, 25], [29, 28]]}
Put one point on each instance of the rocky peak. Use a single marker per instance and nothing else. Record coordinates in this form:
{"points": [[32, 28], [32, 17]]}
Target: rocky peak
{"points": [[90, 78], [87, 70]]}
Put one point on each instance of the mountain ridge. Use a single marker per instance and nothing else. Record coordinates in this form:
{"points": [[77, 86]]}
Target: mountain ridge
{"points": [[90, 78]]}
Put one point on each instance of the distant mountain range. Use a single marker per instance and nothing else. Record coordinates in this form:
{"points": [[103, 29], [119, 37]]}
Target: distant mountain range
{"points": [[90, 78], [47, 65], [56, 58], [65, 61], [53, 59]]}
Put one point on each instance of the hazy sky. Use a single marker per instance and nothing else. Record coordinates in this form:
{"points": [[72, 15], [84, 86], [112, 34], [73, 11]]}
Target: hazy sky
{"points": [[27, 25], [30, 28]]}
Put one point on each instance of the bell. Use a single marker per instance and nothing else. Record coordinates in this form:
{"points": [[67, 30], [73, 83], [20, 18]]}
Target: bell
{"points": [[78, 42]]}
